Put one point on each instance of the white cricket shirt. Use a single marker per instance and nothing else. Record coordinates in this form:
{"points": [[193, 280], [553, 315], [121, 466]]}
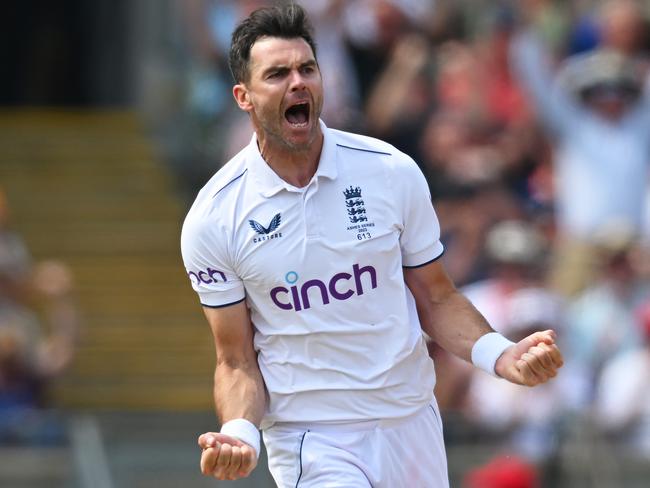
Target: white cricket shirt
{"points": [[320, 267]]}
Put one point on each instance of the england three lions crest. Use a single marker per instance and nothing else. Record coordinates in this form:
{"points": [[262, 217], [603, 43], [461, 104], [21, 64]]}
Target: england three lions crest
{"points": [[355, 206], [357, 214]]}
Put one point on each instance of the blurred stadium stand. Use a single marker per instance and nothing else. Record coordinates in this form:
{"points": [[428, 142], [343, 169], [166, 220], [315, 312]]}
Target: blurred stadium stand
{"points": [[87, 188]]}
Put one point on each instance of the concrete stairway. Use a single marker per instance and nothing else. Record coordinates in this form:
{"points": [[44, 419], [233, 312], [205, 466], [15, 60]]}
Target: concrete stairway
{"points": [[88, 188]]}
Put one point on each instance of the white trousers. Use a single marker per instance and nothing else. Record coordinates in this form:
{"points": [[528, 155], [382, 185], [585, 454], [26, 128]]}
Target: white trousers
{"points": [[396, 453]]}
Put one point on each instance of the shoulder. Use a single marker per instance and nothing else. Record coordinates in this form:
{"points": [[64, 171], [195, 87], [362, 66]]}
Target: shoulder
{"points": [[214, 201], [227, 179], [367, 148], [361, 143]]}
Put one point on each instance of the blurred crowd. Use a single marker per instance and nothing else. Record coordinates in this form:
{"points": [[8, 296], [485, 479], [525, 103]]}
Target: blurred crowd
{"points": [[531, 122], [38, 328]]}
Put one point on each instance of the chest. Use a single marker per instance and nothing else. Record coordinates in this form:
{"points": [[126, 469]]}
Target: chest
{"points": [[318, 233]]}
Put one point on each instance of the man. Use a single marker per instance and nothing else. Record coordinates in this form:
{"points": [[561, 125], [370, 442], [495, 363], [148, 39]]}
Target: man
{"points": [[309, 251], [596, 111]]}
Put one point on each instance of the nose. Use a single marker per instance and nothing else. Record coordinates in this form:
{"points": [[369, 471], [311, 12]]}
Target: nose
{"points": [[297, 81]]}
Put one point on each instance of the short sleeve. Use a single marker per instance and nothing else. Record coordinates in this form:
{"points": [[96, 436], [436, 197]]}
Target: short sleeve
{"points": [[204, 246], [420, 237]]}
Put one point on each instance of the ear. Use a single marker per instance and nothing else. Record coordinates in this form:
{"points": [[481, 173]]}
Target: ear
{"points": [[242, 97]]}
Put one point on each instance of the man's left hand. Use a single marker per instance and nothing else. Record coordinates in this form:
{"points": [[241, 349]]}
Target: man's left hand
{"points": [[532, 361]]}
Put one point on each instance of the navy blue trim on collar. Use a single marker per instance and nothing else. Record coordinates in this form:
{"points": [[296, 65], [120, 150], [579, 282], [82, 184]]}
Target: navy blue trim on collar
{"points": [[364, 150]]}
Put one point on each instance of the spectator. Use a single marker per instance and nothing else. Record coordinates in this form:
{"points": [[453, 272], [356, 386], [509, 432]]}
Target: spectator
{"points": [[373, 28], [400, 99], [622, 405], [600, 320], [598, 98], [622, 26], [469, 212], [208, 125], [29, 358], [15, 262], [516, 253]]}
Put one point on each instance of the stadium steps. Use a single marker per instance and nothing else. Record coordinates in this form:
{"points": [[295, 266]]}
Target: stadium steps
{"points": [[35, 467], [88, 188]]}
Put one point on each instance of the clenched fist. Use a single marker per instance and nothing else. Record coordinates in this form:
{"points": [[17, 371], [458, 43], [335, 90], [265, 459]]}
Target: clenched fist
{"points": [[225, 457], [532, 361]]}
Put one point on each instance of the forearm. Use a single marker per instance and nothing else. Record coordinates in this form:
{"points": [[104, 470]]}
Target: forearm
{"points": [[239, 395], [239, 391], [453, 323]]}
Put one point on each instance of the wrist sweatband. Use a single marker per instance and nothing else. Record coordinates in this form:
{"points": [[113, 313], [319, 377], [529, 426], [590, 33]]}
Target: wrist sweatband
{"points": [[245, 431], [487, 350]]}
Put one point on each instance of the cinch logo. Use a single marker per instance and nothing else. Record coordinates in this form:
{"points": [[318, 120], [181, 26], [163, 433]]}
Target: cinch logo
{"points": [[209, 276], [341, 286]]}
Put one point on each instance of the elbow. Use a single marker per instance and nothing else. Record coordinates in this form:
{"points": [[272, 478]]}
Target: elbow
{"points": [[235, 366]]}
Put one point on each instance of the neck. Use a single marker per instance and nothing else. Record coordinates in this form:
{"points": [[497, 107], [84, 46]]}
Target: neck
{"points": [[296, 166]]}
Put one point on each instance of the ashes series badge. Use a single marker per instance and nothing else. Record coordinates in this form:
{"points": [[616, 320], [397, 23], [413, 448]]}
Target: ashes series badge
{"points": [[357, 213]]}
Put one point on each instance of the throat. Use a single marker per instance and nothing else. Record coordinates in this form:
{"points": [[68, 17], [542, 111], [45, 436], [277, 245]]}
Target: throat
{"points": [[295, 167], [295, 164]]}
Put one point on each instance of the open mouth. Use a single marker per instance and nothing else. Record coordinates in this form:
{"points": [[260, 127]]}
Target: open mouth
{"points": [[298, 114]]}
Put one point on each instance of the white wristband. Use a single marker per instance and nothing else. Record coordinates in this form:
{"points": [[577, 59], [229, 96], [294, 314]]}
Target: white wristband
{"points": [[245, 431], [487, 349]]}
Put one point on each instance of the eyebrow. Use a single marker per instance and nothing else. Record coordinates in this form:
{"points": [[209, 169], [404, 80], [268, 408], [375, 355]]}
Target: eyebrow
{"points": [[283, 67]]}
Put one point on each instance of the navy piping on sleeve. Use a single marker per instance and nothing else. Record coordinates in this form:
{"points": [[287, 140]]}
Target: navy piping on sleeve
{"points": [[364, 150], [224, 305], [434, 412], [428, 262], [234, 179], [300, 457]]}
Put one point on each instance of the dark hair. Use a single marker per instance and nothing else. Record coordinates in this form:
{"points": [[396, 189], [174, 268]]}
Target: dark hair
{"points": [[285, 21]]}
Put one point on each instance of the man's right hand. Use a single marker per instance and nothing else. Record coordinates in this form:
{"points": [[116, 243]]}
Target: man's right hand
{"points": [[225, 457]]}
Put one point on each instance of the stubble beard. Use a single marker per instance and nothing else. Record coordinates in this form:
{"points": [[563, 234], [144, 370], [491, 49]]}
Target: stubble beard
{"points": [[275, 134]]}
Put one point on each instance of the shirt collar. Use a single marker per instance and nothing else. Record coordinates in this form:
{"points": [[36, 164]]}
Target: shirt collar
{"points": [[269, 183]]}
